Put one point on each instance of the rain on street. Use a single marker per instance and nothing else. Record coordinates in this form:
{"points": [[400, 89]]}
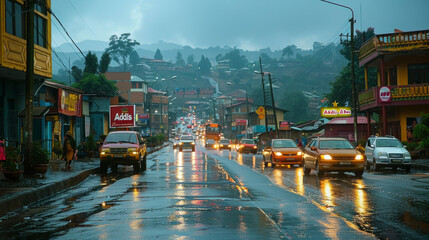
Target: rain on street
{"points": [[207, 195]]}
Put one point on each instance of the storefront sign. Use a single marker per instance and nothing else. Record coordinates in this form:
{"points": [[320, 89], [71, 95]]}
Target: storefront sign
{"points": [[384, 94], [242, 122], [69, 104], [332, 112], [51, 118], [122, 116], [284, 125]]}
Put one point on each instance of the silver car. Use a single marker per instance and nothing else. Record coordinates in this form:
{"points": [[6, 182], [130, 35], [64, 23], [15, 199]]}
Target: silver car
{"points": [[382, 152]]}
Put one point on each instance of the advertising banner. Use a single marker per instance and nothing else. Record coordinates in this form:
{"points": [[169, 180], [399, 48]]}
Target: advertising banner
{"points": [[122, 116], [384, 94], [242, 122], [69, 104], [284, 125], [333, 112]]}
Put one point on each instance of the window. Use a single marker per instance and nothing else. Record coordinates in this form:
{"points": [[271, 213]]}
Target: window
{"points": [[393, 77], [14, 19], [418, 73], [40, 30], [40, 6], [270, 119]]}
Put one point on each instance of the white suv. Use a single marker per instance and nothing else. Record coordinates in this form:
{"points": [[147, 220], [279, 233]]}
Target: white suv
{"points": [[386, 151]]}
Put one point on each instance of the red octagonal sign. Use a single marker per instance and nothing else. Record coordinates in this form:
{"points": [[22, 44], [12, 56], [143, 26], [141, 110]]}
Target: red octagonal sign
{"points": [[384, 94]]}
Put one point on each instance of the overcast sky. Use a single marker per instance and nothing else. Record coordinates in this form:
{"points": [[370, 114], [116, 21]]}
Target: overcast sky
{"points": [[247, 24]]}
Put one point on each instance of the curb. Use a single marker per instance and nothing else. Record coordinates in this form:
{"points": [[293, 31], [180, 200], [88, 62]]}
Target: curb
{"points": [[28, 197], [419, 167], [25, 198]]}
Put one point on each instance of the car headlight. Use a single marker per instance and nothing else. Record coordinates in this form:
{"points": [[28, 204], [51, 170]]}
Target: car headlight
{"points": [[221, 145], [299, 153], [278, 154], [359, 157], [229, 145], [265, 152], [180, 143], [407, 154], [326, 157], [192, 143], [255, 147], [105, 150], [382, 154], [133, 150]]}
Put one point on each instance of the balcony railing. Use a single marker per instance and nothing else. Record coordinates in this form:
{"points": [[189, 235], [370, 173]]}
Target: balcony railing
{"points": [[399, 94], [395, 42]]}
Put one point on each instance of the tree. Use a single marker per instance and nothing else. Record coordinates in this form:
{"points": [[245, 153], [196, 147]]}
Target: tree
{"points": [[296, 104], [104, 62], [179, 59], [95, 84], [91, 63], [341, 88], [134, 58], [236, 60], [158, 55], [121, 48], [287, 51], [219, 57], [190, 60], [204, 66], [77, 73]]}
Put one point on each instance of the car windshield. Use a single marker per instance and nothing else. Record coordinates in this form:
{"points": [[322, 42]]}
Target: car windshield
{"points": [[284, 144], [187, 138], [335, 144], [121, 138], [248, 141], [210, 141], [224, 141], [388, 143]]}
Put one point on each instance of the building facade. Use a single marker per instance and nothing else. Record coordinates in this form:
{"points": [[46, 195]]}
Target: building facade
{"points": [[13, 61], [401, 63]]}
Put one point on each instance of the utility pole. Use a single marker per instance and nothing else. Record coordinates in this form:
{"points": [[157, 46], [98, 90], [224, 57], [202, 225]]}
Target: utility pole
{"points": [[248, 118], [29, 81], [265, 101], [69, 74], [274, 105], [352, 68]]}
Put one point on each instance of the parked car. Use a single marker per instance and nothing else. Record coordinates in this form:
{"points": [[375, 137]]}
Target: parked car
{"points": [[282, 152], [176, 142], [247, 145], [225, 144], [382, 152], [125, 148], [332, 154], [210, 143], [187, 142]]}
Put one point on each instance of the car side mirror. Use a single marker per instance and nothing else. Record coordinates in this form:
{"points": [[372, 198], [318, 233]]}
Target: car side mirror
{"points": [[313, 148], [405, 146], [372, 145], [268, 148]]}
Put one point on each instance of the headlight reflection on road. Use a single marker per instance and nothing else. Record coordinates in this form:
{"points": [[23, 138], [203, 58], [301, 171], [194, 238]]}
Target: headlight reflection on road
{"points": [[328, 199], [299, 181], [278, 176], [361, 199], [240, 159]]}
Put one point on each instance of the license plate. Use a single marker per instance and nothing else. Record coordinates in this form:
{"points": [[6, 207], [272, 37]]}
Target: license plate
{"points": [[118, 155], [290, 159], [345, 163], [396, 160]]}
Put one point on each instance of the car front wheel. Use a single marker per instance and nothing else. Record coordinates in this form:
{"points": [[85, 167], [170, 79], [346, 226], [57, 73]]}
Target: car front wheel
{"points": [[319, 172], [306, 170], [374, 165], [359, 173], [103, 167]]}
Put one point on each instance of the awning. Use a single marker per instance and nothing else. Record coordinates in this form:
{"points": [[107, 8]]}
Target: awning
{"points": [[37, 112]]}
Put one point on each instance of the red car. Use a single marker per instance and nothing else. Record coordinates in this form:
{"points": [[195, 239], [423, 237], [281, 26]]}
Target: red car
{"points": [[247, 145]]}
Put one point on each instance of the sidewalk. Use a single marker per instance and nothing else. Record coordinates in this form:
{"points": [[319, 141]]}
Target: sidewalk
{"points": [[29, 189]]}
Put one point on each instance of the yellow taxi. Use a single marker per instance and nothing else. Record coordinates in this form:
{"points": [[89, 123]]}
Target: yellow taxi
{"points": [[332, 154], [282, 152]]}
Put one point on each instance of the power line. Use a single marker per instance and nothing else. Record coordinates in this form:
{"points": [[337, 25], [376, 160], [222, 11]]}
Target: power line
{"points": [[74, 43]]}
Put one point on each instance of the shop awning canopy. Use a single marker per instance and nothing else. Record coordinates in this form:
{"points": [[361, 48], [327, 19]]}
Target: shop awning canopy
{"points": [[37, 112]]}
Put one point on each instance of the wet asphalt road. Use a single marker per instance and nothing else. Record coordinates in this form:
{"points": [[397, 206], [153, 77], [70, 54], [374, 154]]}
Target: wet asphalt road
{"points": [[191, 196], [387, 204]]}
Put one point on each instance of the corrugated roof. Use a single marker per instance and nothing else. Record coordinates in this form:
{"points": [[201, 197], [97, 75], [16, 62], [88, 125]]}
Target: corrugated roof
{"points": [[348, 120]]}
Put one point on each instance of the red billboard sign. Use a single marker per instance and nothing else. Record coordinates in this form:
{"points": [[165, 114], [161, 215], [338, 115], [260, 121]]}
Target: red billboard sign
{"points": [[384, 94], [122, 116], [69, 104], [242, 122]]}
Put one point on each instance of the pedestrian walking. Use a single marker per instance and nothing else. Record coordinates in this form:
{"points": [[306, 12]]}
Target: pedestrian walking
{"points": [[69, 149], [2, 152]]}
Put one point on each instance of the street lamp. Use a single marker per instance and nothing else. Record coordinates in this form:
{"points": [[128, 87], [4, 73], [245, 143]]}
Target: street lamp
{"points": [[352, 47]]}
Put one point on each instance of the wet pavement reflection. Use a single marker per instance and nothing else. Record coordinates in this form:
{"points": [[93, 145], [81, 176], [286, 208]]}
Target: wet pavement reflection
{"points": [[388, 204], [182, 195]]}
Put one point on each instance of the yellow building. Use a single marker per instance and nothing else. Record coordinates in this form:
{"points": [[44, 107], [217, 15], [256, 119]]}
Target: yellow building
{"points": [[13, 59], [401, 60]]}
